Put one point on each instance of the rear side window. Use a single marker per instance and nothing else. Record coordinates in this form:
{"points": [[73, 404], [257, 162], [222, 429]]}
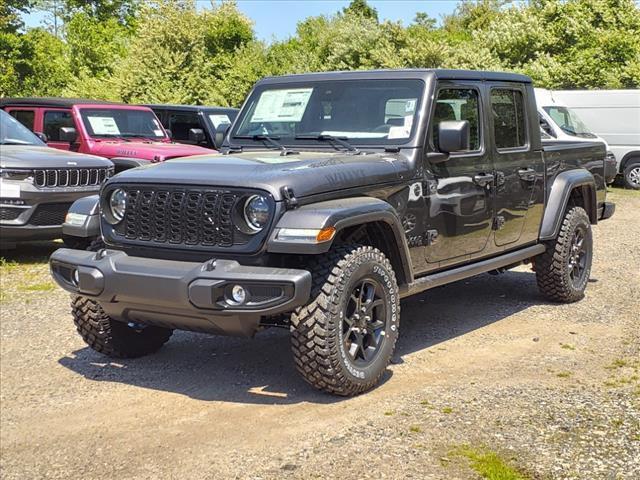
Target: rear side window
{"points": [[25, 117], [509, 126], [181, 123], [456, 104], [53, 121]]}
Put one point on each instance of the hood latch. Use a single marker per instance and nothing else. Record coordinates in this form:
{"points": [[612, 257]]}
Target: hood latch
{"points": [[290, 199]]}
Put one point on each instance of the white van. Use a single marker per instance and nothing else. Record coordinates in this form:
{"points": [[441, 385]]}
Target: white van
{"points": [[559, 123], [615, 116]]}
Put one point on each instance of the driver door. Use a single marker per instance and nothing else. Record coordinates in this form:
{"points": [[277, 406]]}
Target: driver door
{"points": [[460, 204]]}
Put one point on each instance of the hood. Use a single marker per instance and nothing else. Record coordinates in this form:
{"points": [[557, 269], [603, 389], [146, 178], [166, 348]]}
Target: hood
{"points": [[36, 156], [306, 173], [146, 150]]}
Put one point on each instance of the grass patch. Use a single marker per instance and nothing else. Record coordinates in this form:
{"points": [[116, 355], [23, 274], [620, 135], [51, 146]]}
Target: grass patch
{"points": [[388, 413], [447, 410], [567, 346], [415, 429], [488, 464], [617, 363], [38, 287], [564, 374]]}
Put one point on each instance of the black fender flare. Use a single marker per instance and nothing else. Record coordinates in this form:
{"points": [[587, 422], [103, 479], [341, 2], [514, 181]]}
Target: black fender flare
{"points": [[563, 184], [83, 218], [125, 163], [342, 214]]}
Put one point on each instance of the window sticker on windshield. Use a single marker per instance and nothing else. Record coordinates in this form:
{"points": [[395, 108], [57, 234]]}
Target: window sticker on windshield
{"points": [[219, 120], [104, 126], [282, 105], [410, 106], [158, 133], [403, 131]]}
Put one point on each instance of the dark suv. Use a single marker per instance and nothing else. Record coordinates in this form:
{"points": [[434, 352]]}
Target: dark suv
{"points": [[337, 195], [38, 184]]}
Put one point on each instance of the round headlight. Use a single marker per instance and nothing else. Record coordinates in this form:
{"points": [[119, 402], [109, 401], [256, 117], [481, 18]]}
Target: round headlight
{"points": [[256, 212], [118, 204]]}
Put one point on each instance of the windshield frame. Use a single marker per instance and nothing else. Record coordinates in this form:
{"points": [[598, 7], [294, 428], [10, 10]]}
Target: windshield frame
{"points": [[122, 135], [31, 139], [235, 138]]}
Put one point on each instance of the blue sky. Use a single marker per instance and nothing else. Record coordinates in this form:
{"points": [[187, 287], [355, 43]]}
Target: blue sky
{"points": [[278, 18]]}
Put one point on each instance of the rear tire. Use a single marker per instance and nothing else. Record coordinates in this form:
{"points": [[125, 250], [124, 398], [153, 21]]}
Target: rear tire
{"points": [[632, 175], [343, 339], [111, 337], [563, 270]]}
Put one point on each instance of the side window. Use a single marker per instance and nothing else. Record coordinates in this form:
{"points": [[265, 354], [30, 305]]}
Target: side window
{"points": [[458, 104], [509, 126], [53, 121], [25, 117], [181, 123]]}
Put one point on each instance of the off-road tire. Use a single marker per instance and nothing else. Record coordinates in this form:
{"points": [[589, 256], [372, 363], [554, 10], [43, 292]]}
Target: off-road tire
{"points": [[631, 175], [316, 329], [111, 337], [553, 272]]}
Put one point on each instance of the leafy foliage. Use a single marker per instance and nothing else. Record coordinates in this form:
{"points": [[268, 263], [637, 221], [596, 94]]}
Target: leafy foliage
{"points": [[172, 51]]}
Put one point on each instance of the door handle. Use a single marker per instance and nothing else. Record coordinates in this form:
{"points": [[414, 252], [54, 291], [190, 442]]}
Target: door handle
{"points": [[527, 174], [483, 179]]}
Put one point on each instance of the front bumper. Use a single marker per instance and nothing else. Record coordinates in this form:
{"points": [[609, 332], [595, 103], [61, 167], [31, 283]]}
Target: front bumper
{"points": [[181, 295]]}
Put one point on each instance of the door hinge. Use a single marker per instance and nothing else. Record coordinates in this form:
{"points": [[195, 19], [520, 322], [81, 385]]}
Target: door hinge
{"points": [[498, 222], [290, 199], [499, 179], [430, 237]]}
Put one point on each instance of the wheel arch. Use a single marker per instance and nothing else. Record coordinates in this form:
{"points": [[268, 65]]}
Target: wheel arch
{"points": [[356, 220], [576, 187], [628, 158]]}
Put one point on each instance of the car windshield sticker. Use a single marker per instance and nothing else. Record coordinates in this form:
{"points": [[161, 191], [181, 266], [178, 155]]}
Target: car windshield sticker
{"points": [[158, 133], [104, 126], [403, 131], [282, 105], [219, 120]]}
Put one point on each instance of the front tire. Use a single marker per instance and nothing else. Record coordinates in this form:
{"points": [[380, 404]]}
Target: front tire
{"points": [[111, 337], [343, 339], [563, 270], [632, 175]]}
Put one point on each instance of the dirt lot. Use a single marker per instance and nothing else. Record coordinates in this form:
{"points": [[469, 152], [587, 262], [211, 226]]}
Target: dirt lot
{"points": [[486, 371]]}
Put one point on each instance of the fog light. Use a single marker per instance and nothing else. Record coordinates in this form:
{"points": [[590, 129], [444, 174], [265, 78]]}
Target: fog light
{"points": [[238, 294], [76, 277]]}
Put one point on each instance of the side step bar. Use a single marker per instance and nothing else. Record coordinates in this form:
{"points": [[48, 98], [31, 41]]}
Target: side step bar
{"points": [[441, 278]]}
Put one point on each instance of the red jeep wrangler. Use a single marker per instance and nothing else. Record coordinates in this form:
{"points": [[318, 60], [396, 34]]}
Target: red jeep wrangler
{"points": [[128, 135]]}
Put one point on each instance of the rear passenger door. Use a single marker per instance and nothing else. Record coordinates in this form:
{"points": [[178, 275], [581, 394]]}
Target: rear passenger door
{"points": [[460, 202], [52, 121], [517, 166]]}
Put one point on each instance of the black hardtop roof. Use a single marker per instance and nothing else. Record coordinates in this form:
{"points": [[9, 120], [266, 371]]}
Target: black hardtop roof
{"points": [[186, 107], [52, 101], [408, 73]]}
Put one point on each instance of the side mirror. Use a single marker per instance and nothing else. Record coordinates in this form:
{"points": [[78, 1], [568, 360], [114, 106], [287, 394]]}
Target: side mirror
{"points": [[42, 136], [196, 135], [453, 136], [221, 133], [68, 134]]}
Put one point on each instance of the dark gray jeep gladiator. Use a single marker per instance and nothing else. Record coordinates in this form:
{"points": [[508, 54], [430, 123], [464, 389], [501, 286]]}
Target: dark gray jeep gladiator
{"points": [[336, 195], [38, 184]]}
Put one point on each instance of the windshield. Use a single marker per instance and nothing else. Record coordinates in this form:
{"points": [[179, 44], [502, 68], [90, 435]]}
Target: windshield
{"points": [[12, 132], [360, 111], [121, 123], [568, 121]]}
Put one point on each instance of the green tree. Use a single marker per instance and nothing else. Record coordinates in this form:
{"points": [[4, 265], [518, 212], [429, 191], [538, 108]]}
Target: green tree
{"points": [[362, 9]]}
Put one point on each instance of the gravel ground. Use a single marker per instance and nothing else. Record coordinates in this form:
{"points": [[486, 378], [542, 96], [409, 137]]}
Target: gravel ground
{"points": [[554, 390]]}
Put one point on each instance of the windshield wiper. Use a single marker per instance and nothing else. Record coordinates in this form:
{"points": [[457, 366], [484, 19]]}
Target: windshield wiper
{"points": [[284, 151], [323, 137]]}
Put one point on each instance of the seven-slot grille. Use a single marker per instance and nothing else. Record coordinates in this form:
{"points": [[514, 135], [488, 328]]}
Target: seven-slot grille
{"points": [[180, 216], [70, 177]]}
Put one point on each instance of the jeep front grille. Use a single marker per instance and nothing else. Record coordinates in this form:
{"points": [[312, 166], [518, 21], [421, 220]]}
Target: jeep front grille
{"points": [[70, 177], [180, 216]]}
